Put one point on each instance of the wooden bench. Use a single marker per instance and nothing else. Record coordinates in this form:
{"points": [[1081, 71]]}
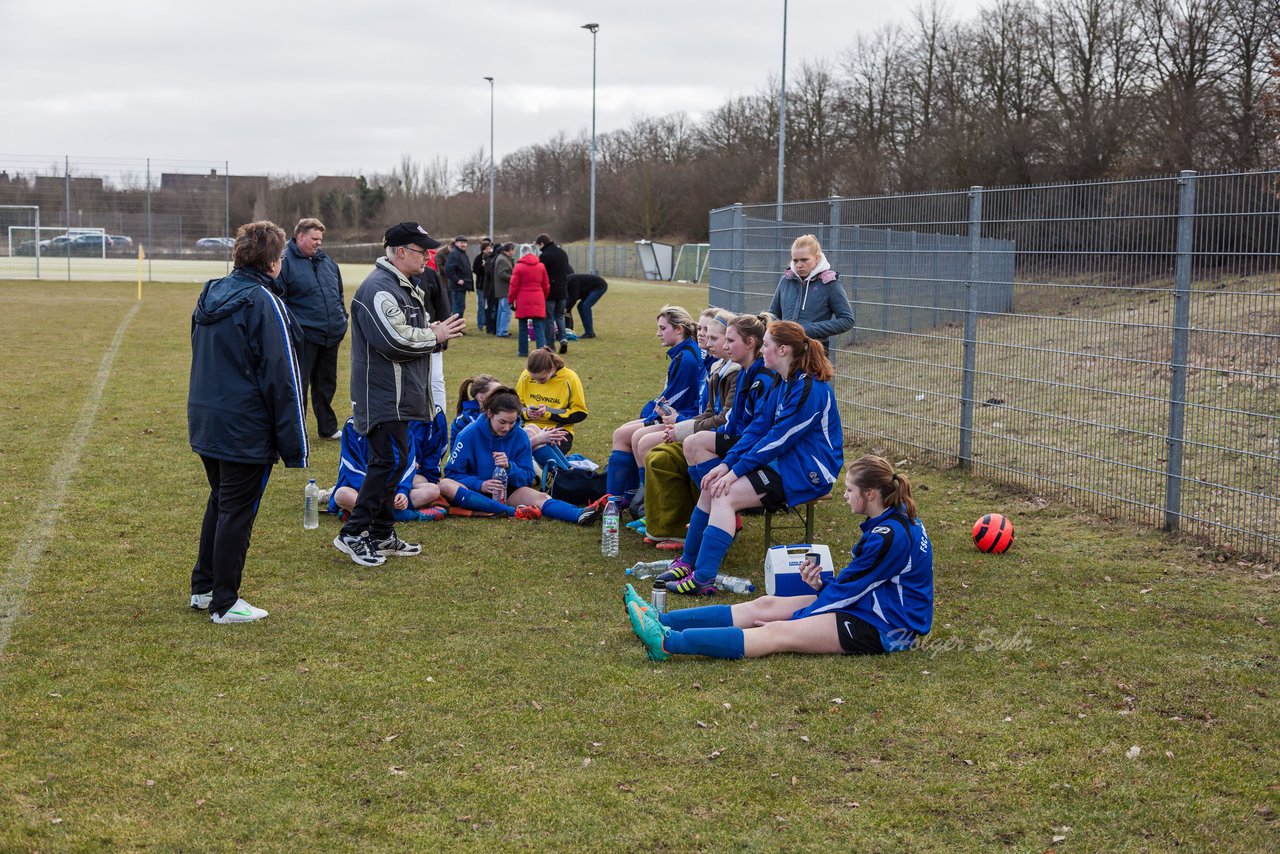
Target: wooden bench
{"points": [[802, 523]]}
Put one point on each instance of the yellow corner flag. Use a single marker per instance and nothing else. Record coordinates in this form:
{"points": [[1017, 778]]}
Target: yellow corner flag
{"points": [[141, 255]]}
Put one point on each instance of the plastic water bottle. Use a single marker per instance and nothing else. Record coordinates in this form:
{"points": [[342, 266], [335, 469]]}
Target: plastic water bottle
{"points": [[500, 475], [311, 505], [734, 584], [609, 529], [652, 569]]}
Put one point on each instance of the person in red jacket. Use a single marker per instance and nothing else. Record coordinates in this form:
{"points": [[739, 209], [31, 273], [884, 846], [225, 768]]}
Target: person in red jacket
{"points": [[528, 298]]}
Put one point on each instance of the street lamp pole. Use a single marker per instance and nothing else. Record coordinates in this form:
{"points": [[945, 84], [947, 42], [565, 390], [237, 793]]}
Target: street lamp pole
{"points": [[591, 246], [490, 79], [782, 113]]}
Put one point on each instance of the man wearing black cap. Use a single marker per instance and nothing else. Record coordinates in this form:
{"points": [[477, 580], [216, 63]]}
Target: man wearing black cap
{"points": [[392, 338]]}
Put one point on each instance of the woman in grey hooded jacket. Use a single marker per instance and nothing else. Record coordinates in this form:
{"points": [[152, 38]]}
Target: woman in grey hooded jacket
{"points": [[810, 294]]}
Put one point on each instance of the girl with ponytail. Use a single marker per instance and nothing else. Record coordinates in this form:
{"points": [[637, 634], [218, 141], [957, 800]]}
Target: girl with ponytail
{"points": [[881, 602]]}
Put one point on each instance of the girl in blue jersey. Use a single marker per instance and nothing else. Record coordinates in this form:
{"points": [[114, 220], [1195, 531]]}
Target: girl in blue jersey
{"points": [[686, 376], [881, 602], [782, 461], [495, 440], [415, 491]]}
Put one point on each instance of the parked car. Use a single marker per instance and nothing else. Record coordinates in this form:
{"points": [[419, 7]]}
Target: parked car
{"points": [[215, 243], [90, 244], [121, 241]]}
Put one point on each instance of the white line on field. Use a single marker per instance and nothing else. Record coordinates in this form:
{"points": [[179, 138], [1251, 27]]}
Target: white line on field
{"points": [[30, 548]]}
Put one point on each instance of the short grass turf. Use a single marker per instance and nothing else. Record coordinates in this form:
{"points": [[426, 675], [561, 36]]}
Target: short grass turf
{"points": [[1098, 688]]}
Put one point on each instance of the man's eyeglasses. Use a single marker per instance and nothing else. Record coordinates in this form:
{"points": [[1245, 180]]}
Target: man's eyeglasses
{"points": [[421, 252]]}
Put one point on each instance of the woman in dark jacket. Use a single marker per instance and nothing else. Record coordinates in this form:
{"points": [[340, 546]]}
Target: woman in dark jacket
{"points": [[244, 411]]}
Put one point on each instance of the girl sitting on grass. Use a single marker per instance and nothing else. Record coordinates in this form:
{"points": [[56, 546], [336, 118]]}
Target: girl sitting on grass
{"points": [[881, 602], [494, 440], [415, 492], [686, 377]]}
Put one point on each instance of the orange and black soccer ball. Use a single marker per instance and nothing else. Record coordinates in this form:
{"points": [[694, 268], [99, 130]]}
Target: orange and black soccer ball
{"points": [[993, 534]]}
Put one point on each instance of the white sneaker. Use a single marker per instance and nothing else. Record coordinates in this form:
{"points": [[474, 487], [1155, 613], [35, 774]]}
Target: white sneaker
{"points": [[325, 495], [241, 612], [200, 601], [337, 435]]}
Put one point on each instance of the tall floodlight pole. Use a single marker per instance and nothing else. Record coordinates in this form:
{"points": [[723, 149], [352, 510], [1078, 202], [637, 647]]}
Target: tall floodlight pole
{"points": [[490, 79], [591, 245], [782, 113]]}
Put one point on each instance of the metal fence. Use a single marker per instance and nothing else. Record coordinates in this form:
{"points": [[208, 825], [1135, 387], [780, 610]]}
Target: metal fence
{"points": [[1114, 344]]}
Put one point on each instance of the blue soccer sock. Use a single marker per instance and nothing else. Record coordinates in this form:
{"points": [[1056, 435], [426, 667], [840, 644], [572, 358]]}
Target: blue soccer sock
{"points": [[480, 502], [562, 510], [406, 515], [693, 537], [640, 474], [705, 617], [715, 543], [697, 471], [723, 642], [621, 476]]}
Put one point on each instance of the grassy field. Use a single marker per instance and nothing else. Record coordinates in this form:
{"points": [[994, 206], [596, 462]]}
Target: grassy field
{"points": [[1098, 688]]}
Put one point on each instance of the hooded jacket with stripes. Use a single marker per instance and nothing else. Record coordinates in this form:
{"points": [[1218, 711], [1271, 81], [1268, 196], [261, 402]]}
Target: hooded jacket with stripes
{"points": [[244, 400]]}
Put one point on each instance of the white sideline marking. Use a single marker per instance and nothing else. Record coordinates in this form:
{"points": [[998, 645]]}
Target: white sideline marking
{"points": [[31, 546]]}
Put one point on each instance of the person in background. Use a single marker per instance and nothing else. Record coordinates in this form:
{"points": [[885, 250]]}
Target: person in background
{"points": [[478, 275], [881, 602], [437, 294], [503, 265], [585, 290], [245, 410], [810, 293], [393, 336], [528, 298], [457, 272], [556, 260], [489, 277], [313, 292]]}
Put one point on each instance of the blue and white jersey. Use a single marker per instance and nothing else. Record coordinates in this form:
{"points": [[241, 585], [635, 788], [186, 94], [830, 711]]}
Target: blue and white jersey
{"points": [[686, 381], [354, 457], [704, 394], [754, 387], [428, 442], [470, 461], [804, 442], [888, 583], [470, 412]]}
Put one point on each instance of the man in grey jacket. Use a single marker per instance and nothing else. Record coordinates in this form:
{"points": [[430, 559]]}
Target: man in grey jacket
{"points": [[392, 338], [810, 294]]}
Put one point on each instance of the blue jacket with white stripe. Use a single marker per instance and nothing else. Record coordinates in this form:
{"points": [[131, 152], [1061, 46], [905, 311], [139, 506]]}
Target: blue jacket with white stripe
{"points": [[686, 379], [353, 460], [802, 441], [244, 400], [888, 583]]}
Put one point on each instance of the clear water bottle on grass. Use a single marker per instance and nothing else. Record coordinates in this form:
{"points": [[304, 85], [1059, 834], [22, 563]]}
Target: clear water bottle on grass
{"points": [[734, 584], [311, 506], [652, 569], [609, 529]]}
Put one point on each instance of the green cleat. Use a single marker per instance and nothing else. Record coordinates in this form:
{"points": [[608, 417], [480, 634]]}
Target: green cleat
{"points": [[630, 595], [649, 630]]}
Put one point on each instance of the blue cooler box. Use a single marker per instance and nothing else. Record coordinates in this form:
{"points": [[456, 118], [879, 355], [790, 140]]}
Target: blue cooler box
{"points": [[782, 569]]}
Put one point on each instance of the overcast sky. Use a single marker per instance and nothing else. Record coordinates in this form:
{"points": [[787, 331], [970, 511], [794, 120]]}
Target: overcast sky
{"points": [[328, 87]]}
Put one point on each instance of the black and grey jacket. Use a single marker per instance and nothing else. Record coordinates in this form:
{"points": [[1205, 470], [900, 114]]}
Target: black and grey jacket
{"points": [[390, 343]]}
